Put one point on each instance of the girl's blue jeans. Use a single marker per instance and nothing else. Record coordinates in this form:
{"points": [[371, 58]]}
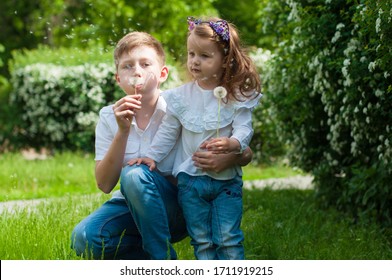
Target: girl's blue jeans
{"points": [[141, 226], [213, 212]]}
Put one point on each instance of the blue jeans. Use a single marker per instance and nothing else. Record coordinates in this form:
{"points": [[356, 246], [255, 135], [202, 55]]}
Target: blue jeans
{"points": [[213, 212], [142, 226]]}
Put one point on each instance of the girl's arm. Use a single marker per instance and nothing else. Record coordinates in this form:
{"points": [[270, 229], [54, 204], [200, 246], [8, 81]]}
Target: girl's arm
{"points": [[165, 138]]}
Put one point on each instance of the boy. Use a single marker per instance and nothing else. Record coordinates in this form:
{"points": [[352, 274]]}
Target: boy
{"points": [[143, 223]]}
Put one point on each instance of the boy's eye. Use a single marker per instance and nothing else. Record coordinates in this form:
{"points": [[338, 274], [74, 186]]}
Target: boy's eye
{"points": [[127, 66]]}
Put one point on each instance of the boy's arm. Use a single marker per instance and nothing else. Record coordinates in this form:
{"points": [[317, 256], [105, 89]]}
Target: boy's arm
{"points": [[210, 161], [223, 152], [108, 169]]}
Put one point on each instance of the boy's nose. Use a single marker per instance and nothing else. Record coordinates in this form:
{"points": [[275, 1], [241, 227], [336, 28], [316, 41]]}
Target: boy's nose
{"points": [[138, 70]]}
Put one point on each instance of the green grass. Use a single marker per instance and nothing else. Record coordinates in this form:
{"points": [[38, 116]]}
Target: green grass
{"points": [[73, 173], [278, 224], [62, 174]]}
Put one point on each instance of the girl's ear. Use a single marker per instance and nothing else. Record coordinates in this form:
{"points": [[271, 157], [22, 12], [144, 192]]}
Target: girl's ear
{"points": [[117, 77], [164, 74]]}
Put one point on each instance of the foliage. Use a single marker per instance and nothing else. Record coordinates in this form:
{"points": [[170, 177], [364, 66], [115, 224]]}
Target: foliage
{"points": [[59, 105], [330, 85], [265, 144], [88, 23], [5, 125], [245, 15]]}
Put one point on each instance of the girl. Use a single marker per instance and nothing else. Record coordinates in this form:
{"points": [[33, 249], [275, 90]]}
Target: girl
{"points": [[212, 112]]}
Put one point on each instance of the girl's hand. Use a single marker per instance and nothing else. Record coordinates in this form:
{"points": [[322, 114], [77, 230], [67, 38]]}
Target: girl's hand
{"points": [[147, 161], [125, 109], [222, 145]]}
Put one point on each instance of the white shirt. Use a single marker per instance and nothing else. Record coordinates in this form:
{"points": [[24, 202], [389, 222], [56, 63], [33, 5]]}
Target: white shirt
{"points": [[139, 140], [192, 115]]}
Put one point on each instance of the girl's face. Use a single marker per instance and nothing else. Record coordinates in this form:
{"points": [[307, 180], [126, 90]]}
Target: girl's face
{"points": [[205, 61], [139, 71]]}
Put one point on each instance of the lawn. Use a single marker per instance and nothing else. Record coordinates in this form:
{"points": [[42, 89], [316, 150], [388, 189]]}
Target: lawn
{"points": [[278, 224]]}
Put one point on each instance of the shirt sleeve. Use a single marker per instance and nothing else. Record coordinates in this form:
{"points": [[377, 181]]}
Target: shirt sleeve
{"points": [[165, 138], [242, 127], [103, 136]]}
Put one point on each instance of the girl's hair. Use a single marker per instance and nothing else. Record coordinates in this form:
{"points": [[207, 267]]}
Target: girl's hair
{"points": [[240, 74], [137, 39]]}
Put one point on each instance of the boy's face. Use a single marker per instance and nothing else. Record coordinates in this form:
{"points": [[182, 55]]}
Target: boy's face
{"points": [[139, 71], [205, 61]]}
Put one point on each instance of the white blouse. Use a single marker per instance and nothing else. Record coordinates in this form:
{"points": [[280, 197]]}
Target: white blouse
{"points": [[192, 114]]}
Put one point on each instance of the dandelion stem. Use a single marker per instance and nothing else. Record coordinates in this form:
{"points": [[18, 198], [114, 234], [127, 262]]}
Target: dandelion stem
{"points": [[217, 129]]}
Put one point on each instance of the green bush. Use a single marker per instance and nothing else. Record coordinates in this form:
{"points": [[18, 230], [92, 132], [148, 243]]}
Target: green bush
{"points": [[265, 144], [59, 105], [5, 110], [330, 86]]}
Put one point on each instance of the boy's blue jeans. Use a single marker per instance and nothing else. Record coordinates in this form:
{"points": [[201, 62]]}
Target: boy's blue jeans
{"points": [[142, 226], [213, 212]]}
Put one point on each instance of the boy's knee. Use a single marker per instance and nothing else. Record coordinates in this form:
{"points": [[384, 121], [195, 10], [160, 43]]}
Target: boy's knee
{"points": [[134, 179], [87, 243], [78, 240]]}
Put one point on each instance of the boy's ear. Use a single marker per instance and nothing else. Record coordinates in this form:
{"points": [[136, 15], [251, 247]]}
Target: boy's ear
{"points": [[117, 77], [164, 74]]}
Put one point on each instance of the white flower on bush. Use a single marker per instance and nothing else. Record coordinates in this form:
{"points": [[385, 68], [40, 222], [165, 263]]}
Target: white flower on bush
{"points": [[372, 66], [86, 119], [260, 57]]}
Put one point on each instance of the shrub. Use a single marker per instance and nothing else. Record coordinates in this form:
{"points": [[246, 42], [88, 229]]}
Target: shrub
{"points": [[59, 105], [331, 88], [265, 143]]}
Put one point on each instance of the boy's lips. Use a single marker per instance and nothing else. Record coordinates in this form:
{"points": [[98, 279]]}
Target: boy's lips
{"points": [[139, 86]]}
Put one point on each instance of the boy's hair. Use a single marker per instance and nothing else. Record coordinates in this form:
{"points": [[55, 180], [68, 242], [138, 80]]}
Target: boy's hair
{"points": [[240, 74], [137, 39]]}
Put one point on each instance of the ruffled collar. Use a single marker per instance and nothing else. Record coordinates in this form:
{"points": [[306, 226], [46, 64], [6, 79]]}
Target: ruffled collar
{"points": [[197, 108]]}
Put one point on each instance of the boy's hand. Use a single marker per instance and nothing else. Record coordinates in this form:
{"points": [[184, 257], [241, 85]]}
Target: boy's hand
{"points": [[124, 110], [221, 145], [208, 161], [147, 161]]}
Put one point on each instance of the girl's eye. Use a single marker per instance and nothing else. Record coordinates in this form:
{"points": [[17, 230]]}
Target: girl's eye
{"points": [[128, 66]]}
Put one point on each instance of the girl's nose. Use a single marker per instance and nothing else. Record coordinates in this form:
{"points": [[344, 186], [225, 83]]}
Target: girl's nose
{"points": [[196, 61]]}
